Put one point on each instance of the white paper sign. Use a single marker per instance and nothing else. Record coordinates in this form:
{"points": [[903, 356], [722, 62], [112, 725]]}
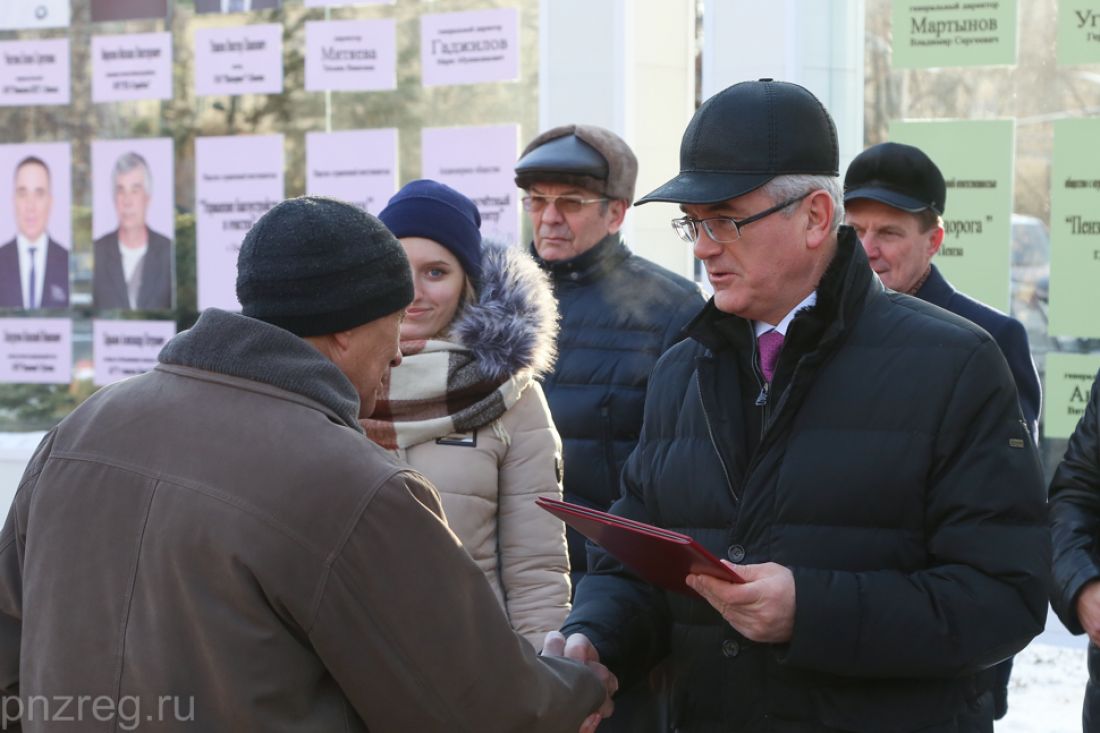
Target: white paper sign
{"points": [[478, 162], [357, 166], [125, 348], [468, 48], [16, 14], [237, 179], [246, 59], [136, 66], [351, 55], [34, 72], [36, 350]]}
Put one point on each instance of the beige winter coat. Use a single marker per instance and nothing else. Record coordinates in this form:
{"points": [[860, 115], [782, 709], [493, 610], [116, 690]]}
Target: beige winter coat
{"points": [[488, 480]]}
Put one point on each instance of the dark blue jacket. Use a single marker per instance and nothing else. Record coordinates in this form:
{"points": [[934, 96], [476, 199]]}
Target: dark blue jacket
{"points": [[619, 313], [887, 467], [1009, 334]]}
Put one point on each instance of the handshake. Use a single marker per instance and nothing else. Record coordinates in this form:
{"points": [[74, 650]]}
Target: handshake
{"points": [[580, 649]]}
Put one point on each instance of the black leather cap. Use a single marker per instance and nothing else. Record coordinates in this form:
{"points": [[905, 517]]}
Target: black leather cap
{"points": [[586, 156], [567, 154], [746, 135], [897, 175]]}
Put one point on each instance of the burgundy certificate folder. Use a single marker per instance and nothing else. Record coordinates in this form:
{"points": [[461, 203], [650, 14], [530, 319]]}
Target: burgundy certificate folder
{"points": [[659, 556]]}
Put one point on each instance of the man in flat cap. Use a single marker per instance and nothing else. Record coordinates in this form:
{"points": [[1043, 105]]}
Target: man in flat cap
{"points": [[619, 311], [216, 546], [883, 509]]}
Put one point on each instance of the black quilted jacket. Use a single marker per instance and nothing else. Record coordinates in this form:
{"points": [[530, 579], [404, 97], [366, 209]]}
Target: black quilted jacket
{"points": [[888, 468]]}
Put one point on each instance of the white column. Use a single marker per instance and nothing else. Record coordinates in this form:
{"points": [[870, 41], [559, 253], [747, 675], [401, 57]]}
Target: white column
{"points": [[815, 43], [627, 66]]}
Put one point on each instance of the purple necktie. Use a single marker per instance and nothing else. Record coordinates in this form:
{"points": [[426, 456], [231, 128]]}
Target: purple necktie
{"points": [[771, 343]]}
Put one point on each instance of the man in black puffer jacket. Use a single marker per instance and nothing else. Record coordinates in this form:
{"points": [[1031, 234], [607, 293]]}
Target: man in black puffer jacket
{"points": [[619, 311], [858, 453], [1075, 525]]}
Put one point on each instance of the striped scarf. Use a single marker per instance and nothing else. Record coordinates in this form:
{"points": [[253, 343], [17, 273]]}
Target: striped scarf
{"points": [[438, 389]]}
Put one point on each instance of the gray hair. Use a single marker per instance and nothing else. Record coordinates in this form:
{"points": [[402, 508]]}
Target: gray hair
{"points": [[132, 161], [783, 188]]}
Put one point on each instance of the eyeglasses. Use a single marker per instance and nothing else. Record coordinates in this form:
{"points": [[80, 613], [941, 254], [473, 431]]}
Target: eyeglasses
{"points": [[723, 228], [566, 204]]}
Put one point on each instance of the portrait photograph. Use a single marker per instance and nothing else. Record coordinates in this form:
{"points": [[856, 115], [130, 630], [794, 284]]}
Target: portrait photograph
{"points": [[133, 266], [35, 225]]}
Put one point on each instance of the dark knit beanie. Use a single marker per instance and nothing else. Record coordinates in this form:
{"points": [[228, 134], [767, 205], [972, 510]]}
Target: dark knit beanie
{"points": [[435, 211], [315, 266]]}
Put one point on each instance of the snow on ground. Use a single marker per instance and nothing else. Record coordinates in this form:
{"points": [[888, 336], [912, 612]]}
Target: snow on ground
{"points": [[1045, 693], [1048, 684]]}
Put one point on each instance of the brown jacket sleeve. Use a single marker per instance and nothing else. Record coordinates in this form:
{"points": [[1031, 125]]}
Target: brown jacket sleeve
{"points": [[12, 542], [416, 638]]}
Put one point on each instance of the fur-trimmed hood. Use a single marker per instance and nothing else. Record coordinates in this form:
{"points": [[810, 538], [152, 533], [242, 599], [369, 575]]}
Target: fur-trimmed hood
{"points": [[513, 326]]}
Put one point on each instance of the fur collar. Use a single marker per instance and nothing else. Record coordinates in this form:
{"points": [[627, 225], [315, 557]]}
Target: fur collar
{"points": [[513, 326]]}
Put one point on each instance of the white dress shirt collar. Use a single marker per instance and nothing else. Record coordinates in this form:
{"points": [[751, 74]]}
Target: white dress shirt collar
{"points": [[761, 327]]}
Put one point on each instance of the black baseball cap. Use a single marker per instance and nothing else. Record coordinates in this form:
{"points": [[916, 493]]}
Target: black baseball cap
{"points": [[746, 135], [897, 175]]}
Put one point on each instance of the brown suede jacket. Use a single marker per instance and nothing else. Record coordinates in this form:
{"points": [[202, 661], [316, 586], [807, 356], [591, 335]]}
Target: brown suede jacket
{"points": [[219, 535]]}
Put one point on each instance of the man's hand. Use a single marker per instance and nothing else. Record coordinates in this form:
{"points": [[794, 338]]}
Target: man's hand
{"points": [[1088, 610], [761, 608], [579, 648]]}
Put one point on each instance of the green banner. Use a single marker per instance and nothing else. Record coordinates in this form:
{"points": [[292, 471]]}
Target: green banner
{"points": [[976, 160], [1066, 391], [1075, 229], [930, 34], [1078, 31]]}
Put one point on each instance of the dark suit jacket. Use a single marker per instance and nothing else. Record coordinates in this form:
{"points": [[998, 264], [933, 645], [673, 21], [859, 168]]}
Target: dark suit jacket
{"points": [[109, 283], [55, 287], [215, 6], [1005, 330]]}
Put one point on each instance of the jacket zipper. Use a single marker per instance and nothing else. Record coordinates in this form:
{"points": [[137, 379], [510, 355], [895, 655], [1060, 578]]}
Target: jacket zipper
{"points": [[713, 442], [762, 398]]}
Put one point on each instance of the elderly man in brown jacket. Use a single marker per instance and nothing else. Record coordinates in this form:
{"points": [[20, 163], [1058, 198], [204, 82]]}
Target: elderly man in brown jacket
{"points": [[216, 546]]}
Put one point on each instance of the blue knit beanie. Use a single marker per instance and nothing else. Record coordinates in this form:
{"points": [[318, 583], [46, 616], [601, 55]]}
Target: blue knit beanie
{"points": [[315, 266], [435, 211]]}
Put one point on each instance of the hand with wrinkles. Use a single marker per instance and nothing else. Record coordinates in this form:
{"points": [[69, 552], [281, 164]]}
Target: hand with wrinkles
{"points": [[761, 608], [579, 648]]}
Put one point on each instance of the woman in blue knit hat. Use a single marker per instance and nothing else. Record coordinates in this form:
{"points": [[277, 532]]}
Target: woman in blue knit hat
{"points": [[464, 407]]}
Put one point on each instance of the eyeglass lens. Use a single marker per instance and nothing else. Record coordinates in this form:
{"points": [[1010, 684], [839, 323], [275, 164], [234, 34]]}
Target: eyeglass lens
{"points": [[564, 204]]}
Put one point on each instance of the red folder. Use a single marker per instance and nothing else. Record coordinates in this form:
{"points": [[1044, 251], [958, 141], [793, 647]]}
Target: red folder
{"points": [[659, 556]]}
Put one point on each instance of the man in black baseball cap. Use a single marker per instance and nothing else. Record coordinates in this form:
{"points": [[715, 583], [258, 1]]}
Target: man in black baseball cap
{"points": [[894, 198], [883, 511]]}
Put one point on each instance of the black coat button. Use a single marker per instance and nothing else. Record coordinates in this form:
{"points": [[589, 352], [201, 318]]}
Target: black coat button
{"points": [[730, 648], [736, 553]]}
